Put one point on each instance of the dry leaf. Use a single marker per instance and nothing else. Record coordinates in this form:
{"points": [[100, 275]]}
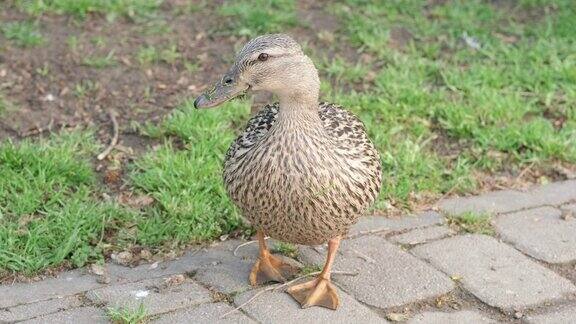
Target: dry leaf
{"points": [[97, 269], [174, 280]]}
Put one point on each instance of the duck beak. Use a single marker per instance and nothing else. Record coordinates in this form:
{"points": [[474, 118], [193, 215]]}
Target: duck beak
{"points": [[224, 90]]}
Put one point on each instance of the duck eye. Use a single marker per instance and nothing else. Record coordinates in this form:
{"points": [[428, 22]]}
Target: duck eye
{"points": [[263, 57]]}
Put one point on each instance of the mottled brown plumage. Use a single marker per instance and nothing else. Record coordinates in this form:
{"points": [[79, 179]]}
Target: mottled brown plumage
{"points": [[302, 171], [304, 180]]}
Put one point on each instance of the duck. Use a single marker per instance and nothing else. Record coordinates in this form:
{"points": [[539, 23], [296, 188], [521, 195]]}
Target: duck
{"points": [[302, 171]]}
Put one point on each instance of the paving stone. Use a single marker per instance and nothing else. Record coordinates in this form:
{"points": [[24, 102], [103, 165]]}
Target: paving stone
{"points": [[204, 313], [459, 317], [189, 262], [422, 235], [561, 316], [153, 293], [279, 307], [384, 224], [541, 233], [227, 277], [388, 276], [497, 202], [82, 315], [496, 273], [26, 311], [555, 193], [66, 284], [506, 201]]}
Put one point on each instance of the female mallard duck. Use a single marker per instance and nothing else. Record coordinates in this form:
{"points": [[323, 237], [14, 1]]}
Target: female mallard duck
{"points": [[302, 171]]}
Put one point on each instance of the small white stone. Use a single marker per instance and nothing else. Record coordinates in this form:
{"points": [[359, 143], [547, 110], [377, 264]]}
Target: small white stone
{"points": [[141, 294]]}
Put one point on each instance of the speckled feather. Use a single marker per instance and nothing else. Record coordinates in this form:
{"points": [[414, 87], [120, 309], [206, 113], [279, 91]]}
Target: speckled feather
{"points": [[306, 180]]}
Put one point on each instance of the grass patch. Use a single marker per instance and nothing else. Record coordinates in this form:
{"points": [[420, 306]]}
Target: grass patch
{"points": [[251, 18], [82, 8], [441, 110], [22, 33], [49, 212], [187, 184], [128, 316], [311, 268], [470, 222], [286, 249]]}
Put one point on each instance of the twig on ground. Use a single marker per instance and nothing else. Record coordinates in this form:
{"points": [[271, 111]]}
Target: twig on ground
{"points": [[38, 129], [363, 256], [246, 243], [282, 285], [524, 171], [114, 140]]}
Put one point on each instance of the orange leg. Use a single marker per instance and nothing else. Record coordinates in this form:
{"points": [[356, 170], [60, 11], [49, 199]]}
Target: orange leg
{"points": [[319, 291], [269, 267]]}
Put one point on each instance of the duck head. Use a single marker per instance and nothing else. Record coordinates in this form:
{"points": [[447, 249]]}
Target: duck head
{"points": [[274, 63]]}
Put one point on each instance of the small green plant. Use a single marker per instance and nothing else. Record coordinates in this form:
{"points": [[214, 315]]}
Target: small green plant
{"points": [[100, 62], [82, 88], [147, 55], [152, 55], [43, 71], [128, 316], [170, 55], [286, 249], [471, 222], [311, 268], [23, 33]]}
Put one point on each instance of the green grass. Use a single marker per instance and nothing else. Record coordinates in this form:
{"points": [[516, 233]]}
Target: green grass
{"points": [[440, 111], [82, 8], [472, 223], [49, 211], [187, 183], [22, 33], [251, 18], [286, 249], [127, 316]]}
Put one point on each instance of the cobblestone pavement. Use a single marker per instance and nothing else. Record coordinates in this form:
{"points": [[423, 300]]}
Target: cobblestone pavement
{"points": [[418, 268]]}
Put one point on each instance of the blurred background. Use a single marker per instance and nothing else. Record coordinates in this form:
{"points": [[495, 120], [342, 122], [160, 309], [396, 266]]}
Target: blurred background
{"points": [[460, 97]]}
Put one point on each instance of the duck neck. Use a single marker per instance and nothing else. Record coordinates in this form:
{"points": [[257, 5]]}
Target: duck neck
{"points": [[299, 103], [298, 110]]}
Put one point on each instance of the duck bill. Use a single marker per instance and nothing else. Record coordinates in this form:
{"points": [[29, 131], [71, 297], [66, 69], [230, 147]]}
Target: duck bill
{"points": [[219, 94]]}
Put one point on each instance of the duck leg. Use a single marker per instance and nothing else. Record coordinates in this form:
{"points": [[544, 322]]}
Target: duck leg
{"points": [[319, 291], [270, 267]]}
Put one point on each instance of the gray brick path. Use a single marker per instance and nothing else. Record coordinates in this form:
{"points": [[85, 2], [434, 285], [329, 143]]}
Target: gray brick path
{"points": [[559, 316], [496, 273], [541, 233], [465, 316], [422, 235], [404, 266]]}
